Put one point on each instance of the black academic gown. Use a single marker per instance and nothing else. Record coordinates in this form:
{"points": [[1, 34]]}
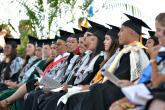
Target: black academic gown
{"points": [[31, 103], [101, 96], [51, 102], [91, 75], [32, 100]]}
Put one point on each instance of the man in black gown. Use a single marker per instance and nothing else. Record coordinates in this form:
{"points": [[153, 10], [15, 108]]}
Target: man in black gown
{"points": [[101, 96]]}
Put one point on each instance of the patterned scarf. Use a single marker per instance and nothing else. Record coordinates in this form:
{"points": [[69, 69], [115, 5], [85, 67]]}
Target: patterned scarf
{"points": [[102, 71], [28, 73], [138, 60], [87, 70], [54, 71], [83, 66], [71, 64], [75, 68], [16, 65], [26, 67]]}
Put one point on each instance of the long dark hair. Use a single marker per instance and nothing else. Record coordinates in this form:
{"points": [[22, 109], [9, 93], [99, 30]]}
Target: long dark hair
{"points": [[12, 56], [114, 46], [99, 47], [27, 57]]}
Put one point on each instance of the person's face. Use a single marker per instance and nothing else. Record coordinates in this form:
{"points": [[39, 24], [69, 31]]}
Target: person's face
{"points": [[30, 49], [47, 51], [68, 44], [160, 33], [61, 46], [92, 42], [53, 49], [123, 35], [72, 44], [149, 43], [39, 52], [107, 43], [86, 38], [7, 50], [82, 46]]}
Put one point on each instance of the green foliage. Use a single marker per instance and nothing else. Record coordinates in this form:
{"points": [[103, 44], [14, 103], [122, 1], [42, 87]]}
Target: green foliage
{"points": [[21, 51], [36, 12]]}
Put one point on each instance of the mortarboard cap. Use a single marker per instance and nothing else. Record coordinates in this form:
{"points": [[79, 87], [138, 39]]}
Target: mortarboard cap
{"points": [[39, 43], [56, 38], [94, 26], [42, 42], [78, 33], [32, 40], [98, 30], [84, 29], [113, 32], [64, 35], [135, 23], [100, 34], [151, 33], [12, 41]]}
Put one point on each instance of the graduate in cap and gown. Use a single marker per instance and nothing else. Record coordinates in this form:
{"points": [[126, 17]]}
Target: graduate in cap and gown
{"points": [[101, 96], [73, 44], [11, 65], [111, 45], [31, 101], [32, 75], [30, 60], [85, 76], [95, 60], [72, 66], [72, 48], [153, 74]]}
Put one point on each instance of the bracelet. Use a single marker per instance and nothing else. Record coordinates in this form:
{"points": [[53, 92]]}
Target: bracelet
{"points": [[152, 60]]}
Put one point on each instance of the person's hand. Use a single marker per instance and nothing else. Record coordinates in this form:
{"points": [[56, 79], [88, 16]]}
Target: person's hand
{"points": [[3, 33], [122, 104], [85, 87], [153, 51], [6, 81], [160, 79], [11, 84], [2, 40], [115, 106], [65, 87], [4, 105], [124, 83]]}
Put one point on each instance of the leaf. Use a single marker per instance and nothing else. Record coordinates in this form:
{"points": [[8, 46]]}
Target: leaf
{"points": [[12, 26]]}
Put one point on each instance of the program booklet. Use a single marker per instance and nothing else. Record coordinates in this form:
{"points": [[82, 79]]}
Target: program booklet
{"points": [[48, 83]]}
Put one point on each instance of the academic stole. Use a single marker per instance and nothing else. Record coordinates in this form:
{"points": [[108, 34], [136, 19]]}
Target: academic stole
{"points": [[51, 65]]}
